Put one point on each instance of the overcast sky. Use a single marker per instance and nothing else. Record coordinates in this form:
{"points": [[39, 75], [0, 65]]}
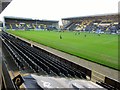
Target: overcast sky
{"points": [[57, 9]]}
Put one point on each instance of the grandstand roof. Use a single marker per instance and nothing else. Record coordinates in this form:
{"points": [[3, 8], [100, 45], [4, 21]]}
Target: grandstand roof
{"points": [[92, 16], [21, 18], [11, 17]]}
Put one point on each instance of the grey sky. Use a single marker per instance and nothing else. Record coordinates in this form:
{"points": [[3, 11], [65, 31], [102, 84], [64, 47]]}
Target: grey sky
{"points": [[57, 9]]}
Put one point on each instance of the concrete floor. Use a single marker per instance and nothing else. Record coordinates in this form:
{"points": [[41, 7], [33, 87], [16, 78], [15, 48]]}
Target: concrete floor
{"points": [[35, 81]]}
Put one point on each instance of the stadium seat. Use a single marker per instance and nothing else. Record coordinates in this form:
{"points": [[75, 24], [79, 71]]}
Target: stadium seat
{"points": [[39, 59]]}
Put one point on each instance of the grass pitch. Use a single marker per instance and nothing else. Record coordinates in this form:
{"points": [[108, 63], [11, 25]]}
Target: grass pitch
{"points": [[101, 49]]}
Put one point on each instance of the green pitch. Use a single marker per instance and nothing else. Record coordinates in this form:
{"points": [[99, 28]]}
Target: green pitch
{"points": [[101, 49]]}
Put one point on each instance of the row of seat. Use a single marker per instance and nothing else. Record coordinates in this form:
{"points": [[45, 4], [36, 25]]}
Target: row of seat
{"points": [[17, 58], [34, 62], [42, 53], [14, 56], [107, 86], [19, 61], [52, 66], [37, 59], [92, 26], [31, 64], [38, 53], [42, 57], [54, 61]]}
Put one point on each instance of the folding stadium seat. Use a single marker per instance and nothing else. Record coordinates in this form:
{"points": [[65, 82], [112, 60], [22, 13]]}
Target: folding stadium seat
{"points": [[9, 49], [45, 60], [51, 60], [106, 86], [72, 73], [43, 66], [62, 70], [26, 58], [111, 87], [18, 59], [36, 59], [53, 68], [15, 56], [39, 63], [78, 74]]}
